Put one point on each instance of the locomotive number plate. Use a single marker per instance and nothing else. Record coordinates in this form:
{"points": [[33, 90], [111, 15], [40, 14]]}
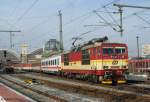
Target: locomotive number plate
{"points": [[115, 62]]}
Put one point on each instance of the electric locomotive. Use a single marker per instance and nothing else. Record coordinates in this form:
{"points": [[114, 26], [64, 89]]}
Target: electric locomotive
{"points": [[97, 60]]}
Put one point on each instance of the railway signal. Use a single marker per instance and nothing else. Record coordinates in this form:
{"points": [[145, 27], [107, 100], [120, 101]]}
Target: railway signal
{"points": [[5, 53]]}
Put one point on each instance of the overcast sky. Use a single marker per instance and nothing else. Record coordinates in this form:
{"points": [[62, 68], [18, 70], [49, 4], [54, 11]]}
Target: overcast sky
{"points": [[38, 21]]}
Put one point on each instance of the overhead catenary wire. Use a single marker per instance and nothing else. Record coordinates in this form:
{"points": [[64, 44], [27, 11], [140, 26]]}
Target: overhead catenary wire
{"points": [[142, 18], [86, 14], [81, 16], [104, 20], [110, 15], [26, 11], [15, 9]]}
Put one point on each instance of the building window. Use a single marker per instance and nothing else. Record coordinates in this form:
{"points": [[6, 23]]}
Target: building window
{"points": [[85, 57]]}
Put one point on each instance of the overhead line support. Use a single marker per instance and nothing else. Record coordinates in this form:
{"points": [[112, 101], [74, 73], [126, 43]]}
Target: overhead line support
{"points": [[10, 31], [60, 31], [121, 12]]}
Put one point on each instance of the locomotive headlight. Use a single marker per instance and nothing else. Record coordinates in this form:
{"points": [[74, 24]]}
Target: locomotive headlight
{"points": [[124, 67], [105, 67]]}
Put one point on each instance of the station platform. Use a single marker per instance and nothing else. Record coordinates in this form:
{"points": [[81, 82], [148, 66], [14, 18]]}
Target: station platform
{"points": [[9, 95]]}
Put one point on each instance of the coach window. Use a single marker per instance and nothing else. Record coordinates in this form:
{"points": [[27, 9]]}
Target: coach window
{"points": [[49, 62], [52, 62], [55, 61], [85, 57], [58, 61]]}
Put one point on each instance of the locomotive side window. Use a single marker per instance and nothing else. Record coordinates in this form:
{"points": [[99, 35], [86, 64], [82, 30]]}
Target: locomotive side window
{"points": [[108, 51], [66, 60], [85, 57]]}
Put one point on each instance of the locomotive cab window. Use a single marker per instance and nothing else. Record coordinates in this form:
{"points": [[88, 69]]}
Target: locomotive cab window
{"points": [[119, 50], [108, 51], [85, 57]]}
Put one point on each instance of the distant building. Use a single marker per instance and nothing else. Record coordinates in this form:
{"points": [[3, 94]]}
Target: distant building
{"points": [[24, 53], [51, 46], [35, 56], [146, 50]]}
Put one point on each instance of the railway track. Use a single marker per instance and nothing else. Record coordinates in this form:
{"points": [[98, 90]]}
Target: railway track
{"points": [[137, 88], [7, 80], [52, 93], [115, 93]]}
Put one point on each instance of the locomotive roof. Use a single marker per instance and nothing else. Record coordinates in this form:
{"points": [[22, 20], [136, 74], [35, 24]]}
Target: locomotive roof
{"points": [[78, 48], [100, 44]]}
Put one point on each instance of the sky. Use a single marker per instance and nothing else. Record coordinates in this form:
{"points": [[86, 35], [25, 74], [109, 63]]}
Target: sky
{"points": [[38, 22]]}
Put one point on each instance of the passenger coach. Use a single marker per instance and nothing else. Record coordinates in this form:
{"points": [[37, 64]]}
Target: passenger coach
{"points": [[51, 64]]}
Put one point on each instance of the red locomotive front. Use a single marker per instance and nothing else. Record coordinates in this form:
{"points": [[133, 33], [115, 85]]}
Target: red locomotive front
{"points": [[99, 61]]}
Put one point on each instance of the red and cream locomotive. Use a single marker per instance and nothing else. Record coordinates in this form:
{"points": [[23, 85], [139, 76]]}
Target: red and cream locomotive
{"points": [[97, 60]]}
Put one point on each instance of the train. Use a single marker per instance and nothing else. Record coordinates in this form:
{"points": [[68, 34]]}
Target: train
{"points": [[5, 67], [139, 68], [97, 61]]}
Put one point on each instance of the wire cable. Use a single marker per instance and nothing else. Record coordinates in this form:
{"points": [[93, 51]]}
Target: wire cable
{"points": [[27, 10], [142, 19]]}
